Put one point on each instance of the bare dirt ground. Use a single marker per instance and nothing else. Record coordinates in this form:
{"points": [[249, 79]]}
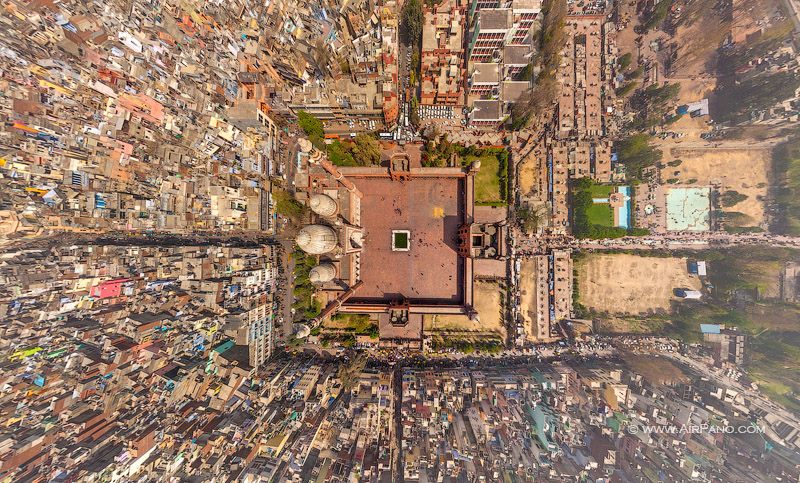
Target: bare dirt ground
{"points": [[629, 325], [739, 169], [488, 298], [626, 38], [693, 65], [693, 89], [527, 175], [527, 282], [691, 127], [659, 370], [698, 37], [631, 284], [702, 29]]}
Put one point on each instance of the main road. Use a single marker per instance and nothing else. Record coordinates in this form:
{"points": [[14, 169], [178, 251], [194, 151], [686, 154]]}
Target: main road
{"points": [[693, 240], [660, 242]]}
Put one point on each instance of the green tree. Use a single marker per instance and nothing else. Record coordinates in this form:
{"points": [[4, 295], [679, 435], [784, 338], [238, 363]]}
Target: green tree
{"points": [[526, 74], [536, 102], [787, 187], [656, 15], [529, 219], [636, 153], [286, 205], [366, 150], [652, 104], [348, 341], [731, 197], [313, 128], [626, 89], [305, 304], [635, 73], [519, 116], [552, 37], [413, 113], [374, 332], [582, 227], [736, 100], [624, 61], [339, 154], [411, 19]]}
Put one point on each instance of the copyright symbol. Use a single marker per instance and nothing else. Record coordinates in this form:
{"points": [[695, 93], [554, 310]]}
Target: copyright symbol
{"points": [[633, 429]]}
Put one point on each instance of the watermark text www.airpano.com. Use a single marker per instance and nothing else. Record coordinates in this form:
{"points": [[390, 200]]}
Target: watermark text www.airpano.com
{"points": [[695, 429]]}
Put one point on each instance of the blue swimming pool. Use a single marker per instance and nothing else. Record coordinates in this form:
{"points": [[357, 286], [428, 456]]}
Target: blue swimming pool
{"points": [[625, 209]]}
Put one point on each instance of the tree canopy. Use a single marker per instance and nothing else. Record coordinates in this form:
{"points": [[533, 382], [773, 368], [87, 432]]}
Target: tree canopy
{"points": [[731, 197], [552, 39], [286, 205], [313, 128], [636, 153], [411, 19], [529, 218], [366, 150], [655, 16], [310, 124], [653, 103], [732, 101], [624, 61]]}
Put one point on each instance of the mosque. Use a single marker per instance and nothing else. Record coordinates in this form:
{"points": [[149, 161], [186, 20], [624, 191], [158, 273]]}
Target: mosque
{"points": [[394, 241]]}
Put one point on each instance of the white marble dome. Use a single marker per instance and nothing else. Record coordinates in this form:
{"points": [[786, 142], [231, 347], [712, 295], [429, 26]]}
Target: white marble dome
{"points": [[322, 273], [317, 239], [303, 331], [304, 145], [323, 205]]}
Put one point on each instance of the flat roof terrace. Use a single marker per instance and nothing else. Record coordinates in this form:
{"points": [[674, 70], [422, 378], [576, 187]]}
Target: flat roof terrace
{"points": [[431, 209]]}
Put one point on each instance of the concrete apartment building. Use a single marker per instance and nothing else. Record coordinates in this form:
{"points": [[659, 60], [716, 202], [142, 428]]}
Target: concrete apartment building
{"points": [[499, 48], [488, 35], [498, 24]]}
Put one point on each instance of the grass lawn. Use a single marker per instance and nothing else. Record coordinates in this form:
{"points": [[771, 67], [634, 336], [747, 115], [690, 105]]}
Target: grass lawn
{"points": [[775, 390], [600, 214], [774, 365], [358, 323], [487, 181], [601, 191], [401, 240]]}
